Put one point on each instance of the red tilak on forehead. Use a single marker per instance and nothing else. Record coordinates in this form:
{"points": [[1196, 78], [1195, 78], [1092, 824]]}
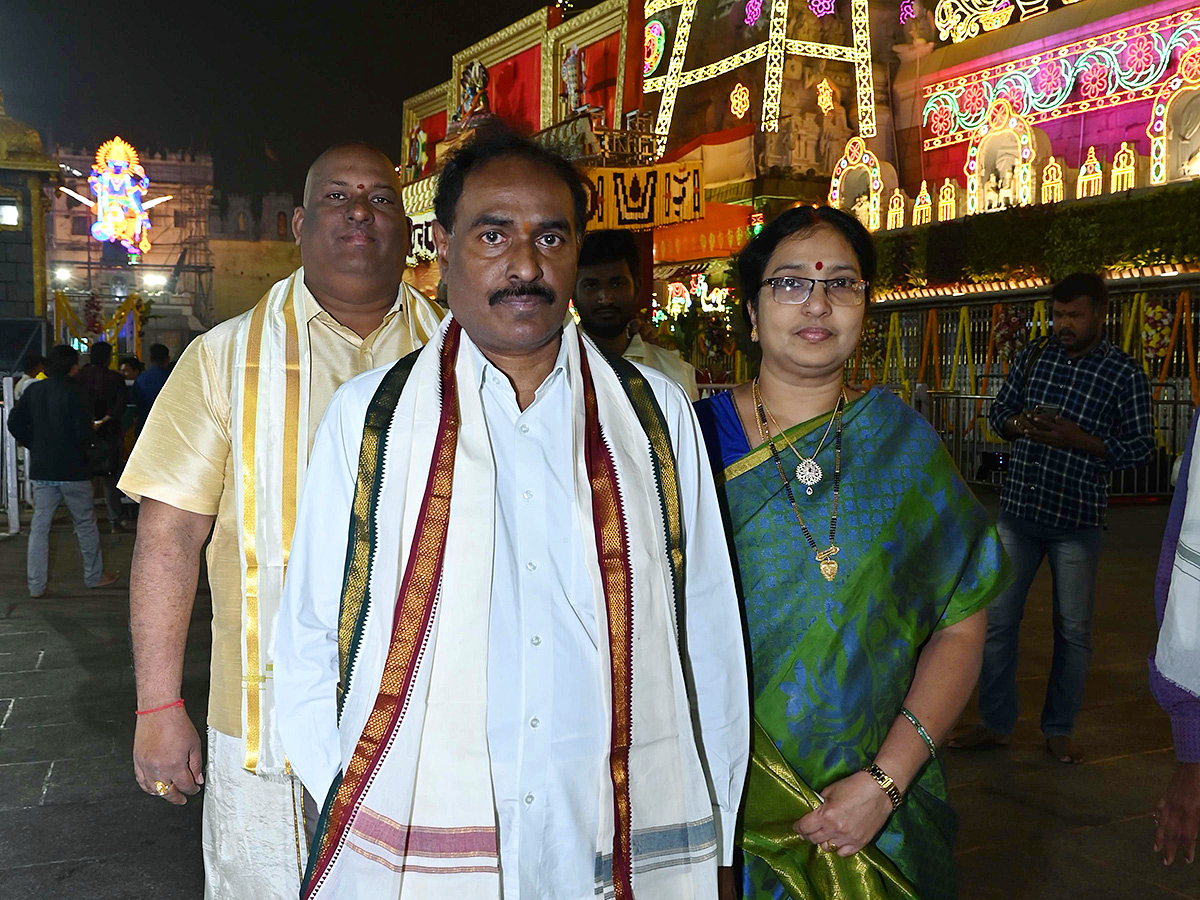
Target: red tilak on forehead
{"points": [[362, 187], [819, 266]]}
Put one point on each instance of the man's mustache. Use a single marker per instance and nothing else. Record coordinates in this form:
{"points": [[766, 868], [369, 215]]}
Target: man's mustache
{"points": [[528, 289]]}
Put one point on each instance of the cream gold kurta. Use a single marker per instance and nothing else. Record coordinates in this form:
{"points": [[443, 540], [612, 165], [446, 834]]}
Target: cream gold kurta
{"points": [[184, 455]]}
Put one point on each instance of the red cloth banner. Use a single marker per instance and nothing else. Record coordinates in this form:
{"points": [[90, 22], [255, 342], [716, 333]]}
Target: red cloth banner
{"points": [[723, 231]]}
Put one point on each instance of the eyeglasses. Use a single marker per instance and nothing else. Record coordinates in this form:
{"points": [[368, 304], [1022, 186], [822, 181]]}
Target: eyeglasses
{"points": [[792, 291]]}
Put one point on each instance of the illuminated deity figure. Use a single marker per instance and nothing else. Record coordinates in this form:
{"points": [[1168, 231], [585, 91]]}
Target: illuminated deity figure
{"points": [[119, 183], [473, 84], [574, 76]]}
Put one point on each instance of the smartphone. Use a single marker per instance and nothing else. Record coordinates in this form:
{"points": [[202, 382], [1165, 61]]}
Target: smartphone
{"points": [[1048, 411]]}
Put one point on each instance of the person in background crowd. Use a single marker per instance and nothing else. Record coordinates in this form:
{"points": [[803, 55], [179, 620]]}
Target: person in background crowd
{"points": [[51, 420], [33, 368], [1175, 666], [105, 394], [865, 564], [151, 381], [608, 298], [221, 422], [130, 368], [567, 735], [1076, 408]]}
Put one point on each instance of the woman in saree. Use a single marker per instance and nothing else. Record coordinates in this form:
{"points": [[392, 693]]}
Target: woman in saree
{"points": [[865, 565]]}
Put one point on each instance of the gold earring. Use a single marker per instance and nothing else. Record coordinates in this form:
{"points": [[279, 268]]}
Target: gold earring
{"points": [[754, 333]]}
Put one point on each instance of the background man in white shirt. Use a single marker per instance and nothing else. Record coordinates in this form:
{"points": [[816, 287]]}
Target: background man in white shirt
{"points": [[608, 298]]}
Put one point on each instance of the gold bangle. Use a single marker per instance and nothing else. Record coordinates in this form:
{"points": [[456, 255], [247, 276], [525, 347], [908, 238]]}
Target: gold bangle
{"points": [[886, 783]]}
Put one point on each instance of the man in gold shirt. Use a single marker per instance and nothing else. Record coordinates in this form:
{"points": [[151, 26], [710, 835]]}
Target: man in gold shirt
{"points": [[225, 449], [607, 289]]}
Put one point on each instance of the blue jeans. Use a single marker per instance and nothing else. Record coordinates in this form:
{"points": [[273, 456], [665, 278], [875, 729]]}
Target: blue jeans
{"points": [[1074, 556], [78, 497]]}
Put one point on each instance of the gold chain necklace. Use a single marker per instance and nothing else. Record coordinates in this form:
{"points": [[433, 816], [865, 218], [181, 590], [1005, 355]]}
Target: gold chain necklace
{"points": [[808, 470], [825, 558]]}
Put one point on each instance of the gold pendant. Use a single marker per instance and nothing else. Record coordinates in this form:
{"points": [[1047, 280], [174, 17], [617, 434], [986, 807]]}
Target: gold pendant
{"points": [[809, 473], [829, 566]]}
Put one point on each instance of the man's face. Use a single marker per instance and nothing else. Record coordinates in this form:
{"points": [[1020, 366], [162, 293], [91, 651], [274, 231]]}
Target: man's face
{"points": [[1078, 324], [128, 372], [353, 221], [509, 265], [606, 297]]}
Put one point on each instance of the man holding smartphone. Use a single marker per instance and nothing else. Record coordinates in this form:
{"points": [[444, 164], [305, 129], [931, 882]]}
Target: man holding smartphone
{"points": [[1076, 408]]}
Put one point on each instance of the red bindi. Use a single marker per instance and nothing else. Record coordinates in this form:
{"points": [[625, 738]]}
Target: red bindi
{"points": [[820, 265], [362, 187]]}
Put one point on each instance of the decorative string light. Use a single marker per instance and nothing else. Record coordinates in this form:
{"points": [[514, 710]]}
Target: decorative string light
{"points": [[1001, 119], [1124, 170], [1091, 177], [753, 11], [1186, 78], [1052, 182], [923, 206], [857, 156], [825, 96], [739, 101]]}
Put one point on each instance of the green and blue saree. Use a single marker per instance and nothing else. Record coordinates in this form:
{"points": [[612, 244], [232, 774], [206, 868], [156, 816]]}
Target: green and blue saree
{"points": [[832, 662]]}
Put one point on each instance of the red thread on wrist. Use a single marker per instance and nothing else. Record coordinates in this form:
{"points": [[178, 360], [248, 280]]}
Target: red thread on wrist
{"points": [[146, 712]]}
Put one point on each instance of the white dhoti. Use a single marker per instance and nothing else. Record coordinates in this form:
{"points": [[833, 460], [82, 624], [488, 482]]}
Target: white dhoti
{"points": [[253, 834]]}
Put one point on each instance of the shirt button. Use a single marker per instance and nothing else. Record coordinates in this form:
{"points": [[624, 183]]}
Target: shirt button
{"points": [[535, 722], [529, 798], [524, 429], [528, 495], [536, 640], [531, 566]]}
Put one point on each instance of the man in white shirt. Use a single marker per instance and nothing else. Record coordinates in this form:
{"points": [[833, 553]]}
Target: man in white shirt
{"points": [[533, 685], [608, 287]]}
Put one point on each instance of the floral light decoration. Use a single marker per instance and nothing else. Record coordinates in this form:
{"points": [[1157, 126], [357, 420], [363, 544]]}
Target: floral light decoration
{"points": [[753, 12], [1093, 81], [1156, 331], [1107, 70], [825, 96], [822, 7], [739, 101], [1186, 79], [656, 42], [941, 119], [1010, 333], [907, 11], [856, 156]]}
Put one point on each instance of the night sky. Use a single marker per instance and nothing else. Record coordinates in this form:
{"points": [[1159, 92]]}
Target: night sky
{"points": [[234, 78]]}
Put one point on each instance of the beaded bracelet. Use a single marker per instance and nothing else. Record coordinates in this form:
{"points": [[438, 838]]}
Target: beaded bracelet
{"points": [[904, 711]]}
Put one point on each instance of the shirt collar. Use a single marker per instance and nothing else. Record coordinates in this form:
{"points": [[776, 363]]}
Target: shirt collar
{"points": [[636, 349], [312, 308], [1102, 349], [485, 367]]}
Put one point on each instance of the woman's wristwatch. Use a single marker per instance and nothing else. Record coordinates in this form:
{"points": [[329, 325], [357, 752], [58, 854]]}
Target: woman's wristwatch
{"points": [[886, 783]]}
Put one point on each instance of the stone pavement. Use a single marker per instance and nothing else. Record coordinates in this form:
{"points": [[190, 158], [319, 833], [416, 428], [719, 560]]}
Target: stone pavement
{"points": [[73, 824]]}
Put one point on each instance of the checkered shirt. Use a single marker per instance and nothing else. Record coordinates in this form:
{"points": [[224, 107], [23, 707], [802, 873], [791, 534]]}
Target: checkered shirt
{"points": [[1108, 395]]}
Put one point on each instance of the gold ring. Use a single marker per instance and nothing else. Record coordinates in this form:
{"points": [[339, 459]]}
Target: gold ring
{"points": [[832, 846], [161, 787]]}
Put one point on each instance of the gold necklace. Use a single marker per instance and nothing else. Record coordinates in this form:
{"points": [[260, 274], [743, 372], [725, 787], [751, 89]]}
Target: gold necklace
{"points": [[825, 558], [808, 470]]}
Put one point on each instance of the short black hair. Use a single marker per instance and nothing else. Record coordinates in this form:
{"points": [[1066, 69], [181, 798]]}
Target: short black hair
{"points": [[160, 353], [1081, 284], [31, 361], [752, 261], [609, 246], [61, 359], [491, 144], [133, 362], [100, 353]]}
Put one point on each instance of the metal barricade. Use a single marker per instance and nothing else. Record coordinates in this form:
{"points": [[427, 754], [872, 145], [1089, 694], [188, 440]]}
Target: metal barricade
{"points": [[8, 455], [980, 454]]}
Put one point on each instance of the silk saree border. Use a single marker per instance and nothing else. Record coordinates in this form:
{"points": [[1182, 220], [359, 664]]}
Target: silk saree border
{"points": [[666, 474], [612, 546], [360, 546], [414, 612]]}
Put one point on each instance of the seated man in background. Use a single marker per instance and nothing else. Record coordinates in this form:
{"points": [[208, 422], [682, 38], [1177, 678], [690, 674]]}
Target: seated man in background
{"points": [[608, 291]]}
